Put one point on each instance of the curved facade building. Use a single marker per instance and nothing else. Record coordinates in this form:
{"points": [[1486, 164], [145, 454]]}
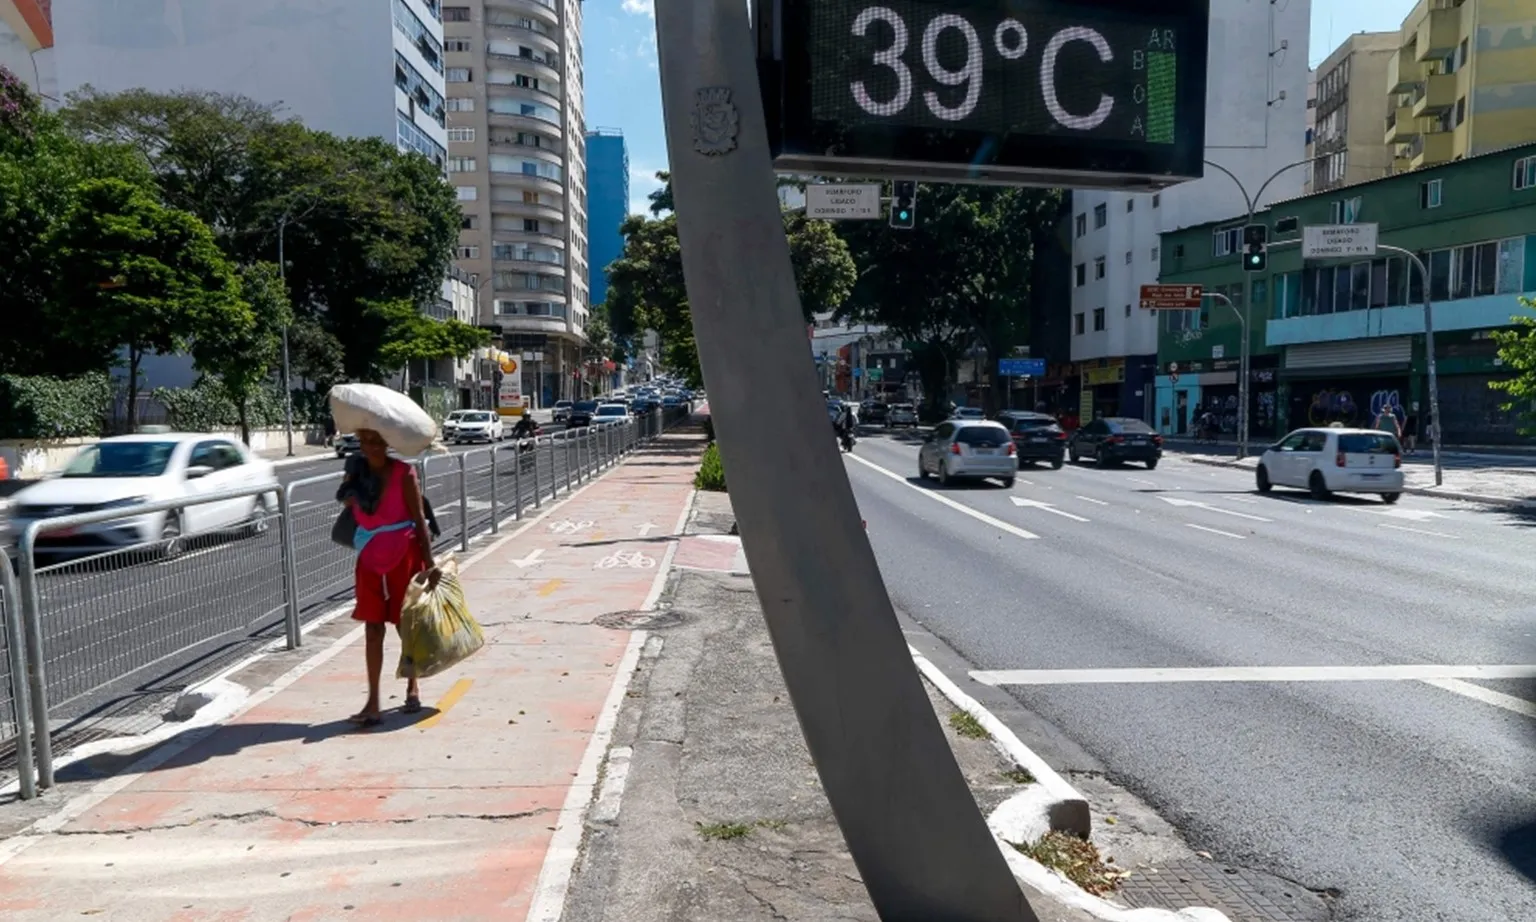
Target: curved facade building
{"points": [[516, 158]]}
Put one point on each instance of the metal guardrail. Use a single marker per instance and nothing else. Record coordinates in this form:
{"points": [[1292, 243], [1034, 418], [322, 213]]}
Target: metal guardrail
{"points": [[118, 631]]}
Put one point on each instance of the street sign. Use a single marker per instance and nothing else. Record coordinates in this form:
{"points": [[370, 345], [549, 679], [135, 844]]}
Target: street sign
{"points": [[1338, 241], [1171, 297], [1056, 92], [842, 201], [1021, 368]]}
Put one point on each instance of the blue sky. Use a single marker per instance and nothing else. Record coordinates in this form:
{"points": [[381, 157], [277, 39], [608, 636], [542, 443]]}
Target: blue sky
{"points": [[623, 90]]}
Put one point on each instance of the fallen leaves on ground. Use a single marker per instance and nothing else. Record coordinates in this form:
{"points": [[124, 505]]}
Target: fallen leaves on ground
{"points": [[1078, 859]]}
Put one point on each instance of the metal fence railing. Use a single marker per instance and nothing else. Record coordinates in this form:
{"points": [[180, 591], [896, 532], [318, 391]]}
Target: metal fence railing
{"points": [[102, 645]]}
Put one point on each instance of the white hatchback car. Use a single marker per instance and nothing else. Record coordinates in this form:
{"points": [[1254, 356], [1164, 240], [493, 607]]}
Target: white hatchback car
{"points": [[961, 448], [131, 470], [478, 426], [1328, 461]]}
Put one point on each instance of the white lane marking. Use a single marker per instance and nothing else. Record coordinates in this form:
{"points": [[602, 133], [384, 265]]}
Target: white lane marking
{"points": [[940, 498], [1028, 483], [1182, 674], [1397, 512], [1175, 501], [1417, 531], [1242, 499], [1485, 695], [1047, 507], [615, 775], [1140, 480], [1089, 499], [1215, 531]]}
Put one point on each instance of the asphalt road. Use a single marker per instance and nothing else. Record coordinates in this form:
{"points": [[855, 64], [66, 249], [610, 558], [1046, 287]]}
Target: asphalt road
{"points": [[1411, 798], [122, 635]]}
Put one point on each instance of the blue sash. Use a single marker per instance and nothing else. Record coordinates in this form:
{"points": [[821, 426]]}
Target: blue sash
{"points": [[362, 536]]}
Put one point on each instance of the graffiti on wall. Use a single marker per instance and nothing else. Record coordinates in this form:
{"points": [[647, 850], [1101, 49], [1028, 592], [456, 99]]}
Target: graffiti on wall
{"points": [[1338, 405]]}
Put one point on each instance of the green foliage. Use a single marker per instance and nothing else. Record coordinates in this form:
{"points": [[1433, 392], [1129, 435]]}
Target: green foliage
{"points": [[315, 355], [417, 338], [53, 408], [437, 401], [646, 290], [1517, 351], [240, 349], [711, 475], [19, 107], [207, 407]]}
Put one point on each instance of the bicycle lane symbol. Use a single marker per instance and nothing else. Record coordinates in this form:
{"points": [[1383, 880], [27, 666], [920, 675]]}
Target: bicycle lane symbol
{"points": [[635, 560]]}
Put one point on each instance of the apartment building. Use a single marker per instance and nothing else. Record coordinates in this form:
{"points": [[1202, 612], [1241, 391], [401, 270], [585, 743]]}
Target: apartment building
{"points": [[517, 158], [1255, 130], [608, 179], [1347, 142], [26, 43], [1463, 81]]}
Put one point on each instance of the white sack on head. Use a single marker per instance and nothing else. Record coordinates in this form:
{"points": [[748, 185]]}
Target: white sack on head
{"points": [[405, 426]]}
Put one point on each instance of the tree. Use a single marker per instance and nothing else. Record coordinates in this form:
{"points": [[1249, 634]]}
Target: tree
{"points": [[315, 355], [960, 279], [241, 347], [646, 290], [1517, 352], [415, 337], [137, 276]]}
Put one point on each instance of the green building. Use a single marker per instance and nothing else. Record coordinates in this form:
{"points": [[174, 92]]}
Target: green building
{"points": [[1334, 340]]}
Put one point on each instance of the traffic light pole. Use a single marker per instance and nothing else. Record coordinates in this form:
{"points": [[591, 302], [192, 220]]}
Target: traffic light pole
{"points": [[910, 822]]}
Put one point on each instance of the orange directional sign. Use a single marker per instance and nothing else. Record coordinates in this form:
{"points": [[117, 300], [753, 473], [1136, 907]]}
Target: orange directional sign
{"points": [[1171, 297]]}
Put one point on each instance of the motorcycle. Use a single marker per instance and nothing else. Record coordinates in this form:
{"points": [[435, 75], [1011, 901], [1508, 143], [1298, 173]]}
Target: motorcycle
{"points": [[848, 440]]}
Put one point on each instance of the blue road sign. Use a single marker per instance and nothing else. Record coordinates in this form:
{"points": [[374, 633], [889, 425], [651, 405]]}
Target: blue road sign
{"points": [[1021, 368]]}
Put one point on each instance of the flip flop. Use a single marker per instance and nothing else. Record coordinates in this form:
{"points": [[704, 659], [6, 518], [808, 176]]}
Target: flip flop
{"points": [[412, 705]]}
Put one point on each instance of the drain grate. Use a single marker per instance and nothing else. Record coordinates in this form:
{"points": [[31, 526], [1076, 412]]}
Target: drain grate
{"points": [[1243, 894], [637, 620]]}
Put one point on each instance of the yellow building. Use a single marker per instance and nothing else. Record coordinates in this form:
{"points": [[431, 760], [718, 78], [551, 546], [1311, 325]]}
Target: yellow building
{"points": [[1463, 81]]}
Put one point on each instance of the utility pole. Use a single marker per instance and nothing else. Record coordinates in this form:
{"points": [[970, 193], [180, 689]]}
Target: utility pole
{"points": [[282, 274]]}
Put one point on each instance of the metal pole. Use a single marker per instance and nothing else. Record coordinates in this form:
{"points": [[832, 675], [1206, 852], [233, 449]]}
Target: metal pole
{"points": [[464, 503], [517, 480], [282, 274], [15, 641], [536, 500], [1429, 360], [885, 765], [37, 679], [290, 567], [495, 512]]}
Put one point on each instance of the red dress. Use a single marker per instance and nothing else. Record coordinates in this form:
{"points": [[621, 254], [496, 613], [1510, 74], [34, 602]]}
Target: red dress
{"points": [[392, 554]]}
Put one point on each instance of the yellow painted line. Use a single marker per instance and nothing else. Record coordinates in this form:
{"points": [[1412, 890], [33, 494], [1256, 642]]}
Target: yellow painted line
{"points": [[623, 507], [597, 536], [455, 693], [549, 588]]}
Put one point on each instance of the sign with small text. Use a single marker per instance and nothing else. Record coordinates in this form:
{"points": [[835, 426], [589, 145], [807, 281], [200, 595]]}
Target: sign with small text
{"points": [[1171, 297], [1338, 241], [1021, 368], [842, 201]]}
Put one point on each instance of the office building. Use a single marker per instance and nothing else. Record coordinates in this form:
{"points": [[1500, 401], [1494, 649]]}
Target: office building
{"points": [[1347, 143], [1255, 128], [1462, 81], [608, 203], [517, 158], [26, 43]]}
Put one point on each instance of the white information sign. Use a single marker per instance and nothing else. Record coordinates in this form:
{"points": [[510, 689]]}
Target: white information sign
{"points": [[847, 201], [1338, 241]]}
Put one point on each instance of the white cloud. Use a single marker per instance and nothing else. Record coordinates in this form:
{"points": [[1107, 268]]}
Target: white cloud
{"points": [[641, 7], [642, 182]]}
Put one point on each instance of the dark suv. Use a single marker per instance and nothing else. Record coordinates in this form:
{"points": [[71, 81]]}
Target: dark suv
{"points": [[1036, 436], [1116, 439], [872, 413]]}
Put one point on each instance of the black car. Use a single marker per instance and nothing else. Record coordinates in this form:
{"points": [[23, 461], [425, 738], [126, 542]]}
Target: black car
{"points": [[1114, 440], [581, 414], [873, 412], [1036, 436]]}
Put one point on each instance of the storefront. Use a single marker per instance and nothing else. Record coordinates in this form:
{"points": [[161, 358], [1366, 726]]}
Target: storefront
{"points": [[1347, 382], [1186, 389], [1099, 388]]}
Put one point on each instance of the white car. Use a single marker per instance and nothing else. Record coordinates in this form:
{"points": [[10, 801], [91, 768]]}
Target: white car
{"points": [[968, 413], [132, 470], [451, 423], [965, 448], [478, 426], [611, 413], [1328, 461]]}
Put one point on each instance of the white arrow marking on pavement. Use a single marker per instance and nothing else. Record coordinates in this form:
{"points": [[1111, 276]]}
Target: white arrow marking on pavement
{"points": [[645, 529], [1175, 501], [531, 560], [1035, 503], [1089, 499]]}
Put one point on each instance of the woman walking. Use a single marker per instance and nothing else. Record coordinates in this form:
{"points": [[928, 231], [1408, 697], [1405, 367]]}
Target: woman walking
{"points": [[393, 545]]}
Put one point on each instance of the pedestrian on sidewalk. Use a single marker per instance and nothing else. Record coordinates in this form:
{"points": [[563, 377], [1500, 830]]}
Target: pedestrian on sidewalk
{"points": [[393, 544], [1386, 421]]}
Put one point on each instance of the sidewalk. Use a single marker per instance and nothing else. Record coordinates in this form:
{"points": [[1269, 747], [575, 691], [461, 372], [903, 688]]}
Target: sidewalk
{"points": [[471, 810]]}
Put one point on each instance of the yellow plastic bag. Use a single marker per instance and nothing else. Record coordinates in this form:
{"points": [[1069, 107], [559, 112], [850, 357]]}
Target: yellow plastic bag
{"points": [[437, 631]]}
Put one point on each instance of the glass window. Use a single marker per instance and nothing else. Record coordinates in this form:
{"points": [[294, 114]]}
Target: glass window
{"points": [[1397, 289], [1100, 215], [1098, 319], [1465, 263], [1098, 267], [1078, 323], [1378, 291], [1525, 173], [1487, 258], [1260, 292], [1512, 263], [467, 193], [982, 436], [121, 459], [416, 30], [1359, 286], [1368, 444], [1341, 289], [1440, 275]]}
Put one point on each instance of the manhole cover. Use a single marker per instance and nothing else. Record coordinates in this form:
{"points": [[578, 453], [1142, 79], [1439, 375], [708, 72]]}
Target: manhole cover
{"points": [[1244, 895], [637, 620]]}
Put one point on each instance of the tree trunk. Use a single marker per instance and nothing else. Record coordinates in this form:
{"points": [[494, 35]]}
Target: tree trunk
{"points": [[243, 407], [132, 416]]}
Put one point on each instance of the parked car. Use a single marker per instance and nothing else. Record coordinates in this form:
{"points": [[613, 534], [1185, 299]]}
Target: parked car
{"points": [[347, 444], [901, 414], [479, 426], [581, 413], [960, 448], [873, 412], [1036, 436], [562, 410], [451, 423], [133, 470], [1115, 440], [1328, 461]]}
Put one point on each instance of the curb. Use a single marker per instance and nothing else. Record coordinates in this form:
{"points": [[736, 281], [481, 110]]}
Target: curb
{"points": [[1050, 804], [1416, 491]]}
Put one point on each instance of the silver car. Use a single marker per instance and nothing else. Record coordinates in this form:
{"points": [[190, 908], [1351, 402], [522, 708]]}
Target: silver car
{"points": [[964, 448]]}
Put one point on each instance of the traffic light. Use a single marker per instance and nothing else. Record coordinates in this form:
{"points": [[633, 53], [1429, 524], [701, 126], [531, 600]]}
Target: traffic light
{"points": [[1255, 247], [904, 204]]}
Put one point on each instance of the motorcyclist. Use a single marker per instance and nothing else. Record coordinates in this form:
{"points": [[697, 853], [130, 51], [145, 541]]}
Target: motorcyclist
{"points": [[526, 427], [842, 423]]}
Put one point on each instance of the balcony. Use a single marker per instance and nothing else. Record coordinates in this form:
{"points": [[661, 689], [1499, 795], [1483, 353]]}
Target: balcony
{"points": [[1403, 71], [1430, 149], [543, 10], [525, 123], [541, 69], [1435, 26], [1401, 125], [1434, 94]]}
